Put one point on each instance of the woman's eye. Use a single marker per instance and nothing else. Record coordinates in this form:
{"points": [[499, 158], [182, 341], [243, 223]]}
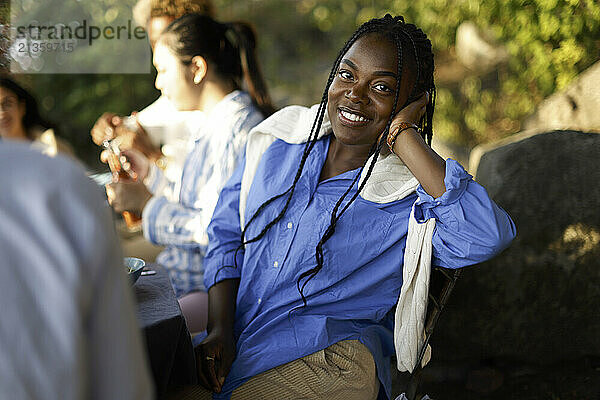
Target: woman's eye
{"points": [[382, 88], [345, 74], [6, 105]]}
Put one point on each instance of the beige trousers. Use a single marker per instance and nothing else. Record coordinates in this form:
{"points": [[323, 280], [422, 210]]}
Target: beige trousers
{"points": [[343, 371]]}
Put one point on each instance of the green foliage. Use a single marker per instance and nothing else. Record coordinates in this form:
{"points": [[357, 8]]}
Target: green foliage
{"points": [[4, 40], [75, 101], [549, 43], [295, 49], [4, 10]]}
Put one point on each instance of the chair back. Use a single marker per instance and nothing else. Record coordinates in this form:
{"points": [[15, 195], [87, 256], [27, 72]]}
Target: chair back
{"points": [[441, 284]]}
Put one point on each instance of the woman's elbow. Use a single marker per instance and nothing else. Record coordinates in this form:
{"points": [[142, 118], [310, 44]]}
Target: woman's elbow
{"points": [[501, 235]]}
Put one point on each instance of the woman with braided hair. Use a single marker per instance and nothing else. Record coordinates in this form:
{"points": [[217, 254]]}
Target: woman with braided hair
{"points": [[333, 222]]}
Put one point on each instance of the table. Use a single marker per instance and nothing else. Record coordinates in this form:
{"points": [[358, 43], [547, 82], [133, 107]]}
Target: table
{"points": [[168, 340]]}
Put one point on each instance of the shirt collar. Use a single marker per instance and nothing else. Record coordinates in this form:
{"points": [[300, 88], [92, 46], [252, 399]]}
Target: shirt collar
{"points": [[317, 159], [204, 123]]}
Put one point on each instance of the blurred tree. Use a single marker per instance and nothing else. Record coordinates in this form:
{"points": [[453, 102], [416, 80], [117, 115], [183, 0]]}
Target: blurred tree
{"points": [[294, 52], [75, 101], [549, 43], [4, 34]]}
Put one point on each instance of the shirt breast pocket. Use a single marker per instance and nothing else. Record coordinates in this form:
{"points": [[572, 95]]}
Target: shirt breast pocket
{"points": [[361, 235]]}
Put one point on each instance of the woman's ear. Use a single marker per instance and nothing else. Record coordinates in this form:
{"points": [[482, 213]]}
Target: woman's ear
{"points": [[199, 69]]}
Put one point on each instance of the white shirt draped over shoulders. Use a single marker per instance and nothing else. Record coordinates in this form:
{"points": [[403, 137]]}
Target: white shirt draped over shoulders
{"points": [[390, 180]]}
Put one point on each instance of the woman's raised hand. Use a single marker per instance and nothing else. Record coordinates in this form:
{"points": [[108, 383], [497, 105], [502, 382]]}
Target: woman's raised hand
{"points": [[425, 164], [134, 136], [412, 113], [130, 133], [129, 196], [104, 128], [135, 163]]}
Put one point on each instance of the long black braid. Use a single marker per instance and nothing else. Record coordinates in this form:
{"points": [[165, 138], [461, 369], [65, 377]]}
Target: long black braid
{"points": [[399, 32]]}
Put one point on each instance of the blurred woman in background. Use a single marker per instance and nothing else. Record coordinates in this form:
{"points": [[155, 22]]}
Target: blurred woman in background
{"points": [[161, 132], [20, 120], [202, 65]]}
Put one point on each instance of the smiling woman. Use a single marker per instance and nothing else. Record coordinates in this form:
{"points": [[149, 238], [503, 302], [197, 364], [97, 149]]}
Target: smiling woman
{"points": [[20, 120], [361, 96], [330, 224], [12, 111], [361, 99]]}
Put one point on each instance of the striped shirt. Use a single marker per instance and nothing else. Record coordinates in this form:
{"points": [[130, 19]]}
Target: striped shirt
{"points": [[181, 226]]}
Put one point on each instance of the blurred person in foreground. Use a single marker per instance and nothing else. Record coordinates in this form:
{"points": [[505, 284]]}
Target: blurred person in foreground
{"points": [[68, 329], [322, 242], [160, 131], [202, 65], [20, 120]]}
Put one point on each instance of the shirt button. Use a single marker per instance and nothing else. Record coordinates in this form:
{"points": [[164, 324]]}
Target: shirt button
{"points": [[290, 225], [259, 300], [275, 264]]}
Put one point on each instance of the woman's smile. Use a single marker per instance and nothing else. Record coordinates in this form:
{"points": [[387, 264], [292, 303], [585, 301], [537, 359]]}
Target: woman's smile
{"points": [[5, 122], [361, 97], [11, 115], [352, 118]]}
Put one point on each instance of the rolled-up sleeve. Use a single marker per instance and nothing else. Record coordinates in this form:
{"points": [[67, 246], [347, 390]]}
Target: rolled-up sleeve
{"points": [[224, 257], [470, 227], [157, 183], [167, 223]]}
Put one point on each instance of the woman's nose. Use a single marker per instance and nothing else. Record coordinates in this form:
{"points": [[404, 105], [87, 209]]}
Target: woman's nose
{"points": [[357, 94]]}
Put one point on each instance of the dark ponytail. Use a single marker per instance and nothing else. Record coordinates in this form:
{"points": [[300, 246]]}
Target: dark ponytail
{"points": [[229, 48], [251, 71]]}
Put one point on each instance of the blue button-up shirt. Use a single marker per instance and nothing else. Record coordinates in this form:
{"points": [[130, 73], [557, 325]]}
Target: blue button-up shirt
{"points": [[218, 144], [353, 295]]}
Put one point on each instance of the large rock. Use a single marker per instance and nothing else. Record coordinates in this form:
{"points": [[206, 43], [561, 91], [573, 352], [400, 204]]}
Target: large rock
{"points": [[539, 301], [575, 108]]}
